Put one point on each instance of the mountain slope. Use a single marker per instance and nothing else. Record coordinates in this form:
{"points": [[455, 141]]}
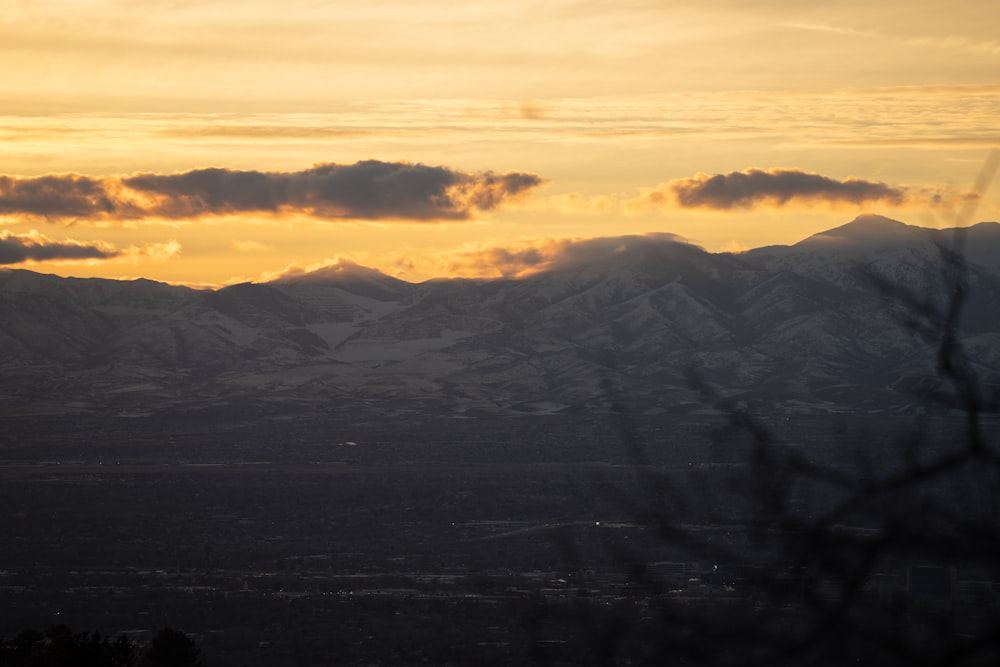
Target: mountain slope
{"points": [[794, 327]]}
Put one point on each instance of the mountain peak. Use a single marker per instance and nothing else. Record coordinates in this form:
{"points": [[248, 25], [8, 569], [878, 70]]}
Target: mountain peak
{"points": [[868, 224], [343, 269], [868, 229], [351, 277]]}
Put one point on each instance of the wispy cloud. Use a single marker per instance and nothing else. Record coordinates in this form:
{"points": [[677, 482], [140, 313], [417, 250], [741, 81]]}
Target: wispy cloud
{"points": [[827, 28], [720, 122], [154, 251], [755, 188], [367, 190], [961, 43], [956, 43]]}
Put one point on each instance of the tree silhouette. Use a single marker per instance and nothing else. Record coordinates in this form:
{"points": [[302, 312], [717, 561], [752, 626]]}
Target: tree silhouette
{"points": [[172, 648], [849, 558], [59, 647]]}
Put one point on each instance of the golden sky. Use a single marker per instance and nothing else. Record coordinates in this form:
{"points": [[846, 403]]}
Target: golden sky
{"points": [[215, 142]]}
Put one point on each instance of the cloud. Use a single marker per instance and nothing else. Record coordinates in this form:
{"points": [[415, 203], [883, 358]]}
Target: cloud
{"points": [[36, 247], [16, 249], [367, 190], [584, 252], [531, 111], [828, 28], [987, 47], [55, 196], [497, 261], [755, 188], [528, 257], [488, 259], [155, 251], [961, 43]]}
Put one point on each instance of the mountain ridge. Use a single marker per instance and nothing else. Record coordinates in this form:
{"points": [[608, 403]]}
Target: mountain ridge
{"points": [[779, 328]]}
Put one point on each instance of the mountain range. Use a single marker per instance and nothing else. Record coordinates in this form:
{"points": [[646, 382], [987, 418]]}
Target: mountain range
{"points": [[824, 325]]}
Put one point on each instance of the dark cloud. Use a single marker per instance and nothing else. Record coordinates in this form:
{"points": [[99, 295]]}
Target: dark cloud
{"points": [[16, 249], [587, 252], [773, 187], [55, 196], [368, 190], [547, 254]]}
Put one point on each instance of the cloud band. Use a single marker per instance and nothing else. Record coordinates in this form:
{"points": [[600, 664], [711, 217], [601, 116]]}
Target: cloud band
{"points": [[367, 190], [36, 247], [19, 248], [773, 187]]}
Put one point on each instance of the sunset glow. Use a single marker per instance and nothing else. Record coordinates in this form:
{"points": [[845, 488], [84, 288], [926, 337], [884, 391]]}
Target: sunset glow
{"points": [[212, 143]]}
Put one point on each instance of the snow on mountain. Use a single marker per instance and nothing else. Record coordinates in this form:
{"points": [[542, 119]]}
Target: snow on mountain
{"points": [[979, 244], [873, 245], [350, 278], [779, 326]]}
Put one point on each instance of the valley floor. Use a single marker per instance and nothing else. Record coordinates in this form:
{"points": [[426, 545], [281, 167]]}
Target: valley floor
{"points": [[328, 541]]}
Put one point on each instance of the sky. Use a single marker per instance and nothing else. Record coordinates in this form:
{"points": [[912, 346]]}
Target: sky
{"points": [[209, 143]]}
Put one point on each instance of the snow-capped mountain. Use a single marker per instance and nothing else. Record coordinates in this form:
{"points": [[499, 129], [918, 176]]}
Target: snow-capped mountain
{"points": [[871, 244], [650, 321]]}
